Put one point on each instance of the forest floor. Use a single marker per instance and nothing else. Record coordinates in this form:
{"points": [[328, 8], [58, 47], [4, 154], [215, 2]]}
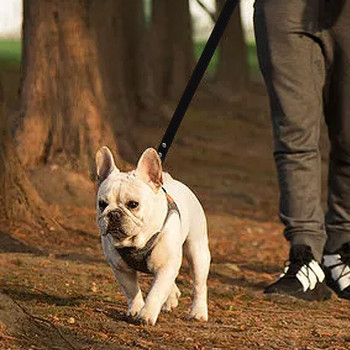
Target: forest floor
{"points": [[59, 293]]}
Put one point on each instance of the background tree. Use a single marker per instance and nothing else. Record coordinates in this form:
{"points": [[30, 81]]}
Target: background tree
{"points": [[233, 67], [172, 47], [19, 202], [123, 63], [72, 101]]}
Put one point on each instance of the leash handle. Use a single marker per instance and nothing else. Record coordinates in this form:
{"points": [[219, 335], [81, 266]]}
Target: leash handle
{"points": [[196, 77]]}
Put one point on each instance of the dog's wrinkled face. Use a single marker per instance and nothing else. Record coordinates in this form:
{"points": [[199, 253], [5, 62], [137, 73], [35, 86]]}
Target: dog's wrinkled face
{"points": [[130, 206]]}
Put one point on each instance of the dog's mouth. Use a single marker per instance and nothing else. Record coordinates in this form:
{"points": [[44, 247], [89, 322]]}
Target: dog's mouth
{"points": [[114, 225], [116, 232]]}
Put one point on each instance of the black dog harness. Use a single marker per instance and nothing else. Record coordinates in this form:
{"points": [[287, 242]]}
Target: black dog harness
{"points": [[137, 258]]}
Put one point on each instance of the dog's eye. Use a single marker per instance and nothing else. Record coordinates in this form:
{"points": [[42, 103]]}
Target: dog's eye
{"points": [[102, 205], [132, 205]]}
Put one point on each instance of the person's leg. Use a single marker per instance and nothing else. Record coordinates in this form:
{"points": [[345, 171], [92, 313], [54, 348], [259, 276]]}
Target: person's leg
{"points": [[293, 65], [337, 250], [338, 121]]}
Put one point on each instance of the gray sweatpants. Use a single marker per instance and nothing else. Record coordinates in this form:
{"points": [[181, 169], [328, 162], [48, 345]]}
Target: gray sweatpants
{"points": [[304, 54]]}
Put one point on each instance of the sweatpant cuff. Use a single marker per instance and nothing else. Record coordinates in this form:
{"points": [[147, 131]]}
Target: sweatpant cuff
{"points": [[315, 242], [336, 238]]}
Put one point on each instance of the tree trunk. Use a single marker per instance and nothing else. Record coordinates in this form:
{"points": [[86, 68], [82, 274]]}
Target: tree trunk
{"points": [[233, 69], [135, 49], [71, 104], [19, 202], [172, 47], [120, 32]]}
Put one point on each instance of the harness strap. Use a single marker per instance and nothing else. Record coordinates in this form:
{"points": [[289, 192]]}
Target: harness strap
{"points": [[137, 258]]}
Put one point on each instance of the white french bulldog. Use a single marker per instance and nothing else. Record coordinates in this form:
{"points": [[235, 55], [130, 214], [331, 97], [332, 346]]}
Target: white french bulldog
{"points": [[147, 220]]}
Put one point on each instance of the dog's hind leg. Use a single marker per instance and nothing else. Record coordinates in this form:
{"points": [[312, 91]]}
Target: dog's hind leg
{"points": [[172, 300], [198, 255]]}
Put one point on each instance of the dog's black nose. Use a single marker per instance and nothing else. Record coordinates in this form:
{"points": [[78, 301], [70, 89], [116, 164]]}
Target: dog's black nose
{"points": [[114, 226], [114, 215]]}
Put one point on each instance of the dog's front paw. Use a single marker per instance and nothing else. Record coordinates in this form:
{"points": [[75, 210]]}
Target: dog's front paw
{"points": [[147, 317], [135, 307], [173, 299], [199, 312]]}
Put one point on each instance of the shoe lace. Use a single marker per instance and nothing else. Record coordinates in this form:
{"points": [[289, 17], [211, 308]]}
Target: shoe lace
{"points": [[296, 262], [344, 262], [298, 259], [346, 258], [292, 268]]}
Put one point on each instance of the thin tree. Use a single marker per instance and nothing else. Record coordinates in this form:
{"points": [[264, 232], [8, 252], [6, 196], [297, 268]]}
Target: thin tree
{"points": [[172, 49], [233, 67], [123, 60]]}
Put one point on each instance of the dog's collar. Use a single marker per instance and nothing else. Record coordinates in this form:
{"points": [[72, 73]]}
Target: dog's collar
{"points": [[138, 258]]}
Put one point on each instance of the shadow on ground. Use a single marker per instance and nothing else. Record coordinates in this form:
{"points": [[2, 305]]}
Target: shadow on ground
{"points": [[21, 294], [10, 244]]}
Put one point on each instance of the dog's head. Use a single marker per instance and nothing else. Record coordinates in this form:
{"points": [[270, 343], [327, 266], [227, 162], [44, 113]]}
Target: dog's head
{"points": [[130, 206]]}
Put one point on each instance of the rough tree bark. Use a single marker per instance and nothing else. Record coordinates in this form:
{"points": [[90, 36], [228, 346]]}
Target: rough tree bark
{"points": [[66, 98], [233, 69], [19, 202], [172, 47]]}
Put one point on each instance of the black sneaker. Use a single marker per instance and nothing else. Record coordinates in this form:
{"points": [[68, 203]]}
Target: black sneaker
{"points": [[337, 268], [303, 277]]}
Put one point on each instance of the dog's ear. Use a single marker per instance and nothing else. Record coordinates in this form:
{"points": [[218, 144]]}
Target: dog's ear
{"points": [[104, 164], [149, 169]]}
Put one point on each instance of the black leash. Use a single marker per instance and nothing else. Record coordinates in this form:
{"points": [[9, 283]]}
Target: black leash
{"points": [[196, 77]]}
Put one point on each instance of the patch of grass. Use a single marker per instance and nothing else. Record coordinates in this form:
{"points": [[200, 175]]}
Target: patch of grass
{"points": [[198, 48], [10, 60], [252, 58], [10, 52]]}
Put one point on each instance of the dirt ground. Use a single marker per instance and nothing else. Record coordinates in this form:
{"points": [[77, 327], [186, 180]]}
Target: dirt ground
{"points": [[59, 293]]}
